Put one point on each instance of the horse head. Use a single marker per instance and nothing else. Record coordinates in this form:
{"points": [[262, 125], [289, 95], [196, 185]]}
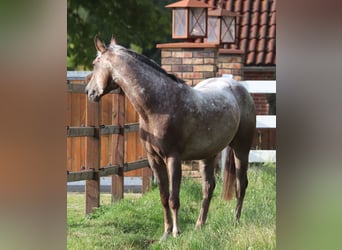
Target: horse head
{"points": [[100, 81]]}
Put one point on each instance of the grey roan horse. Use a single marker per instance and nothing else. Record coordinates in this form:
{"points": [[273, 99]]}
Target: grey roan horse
{"points": [[178, 122]]}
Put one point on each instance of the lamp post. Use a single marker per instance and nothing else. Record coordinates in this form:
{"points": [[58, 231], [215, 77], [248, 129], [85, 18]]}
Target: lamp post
{"points": [[189, 19], [221, 26]]}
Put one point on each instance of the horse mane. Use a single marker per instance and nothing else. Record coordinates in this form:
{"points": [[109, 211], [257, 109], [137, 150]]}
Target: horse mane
{"points": [[150, 63]]}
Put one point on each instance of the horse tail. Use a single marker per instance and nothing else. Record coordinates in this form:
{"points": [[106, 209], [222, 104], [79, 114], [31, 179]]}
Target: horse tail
{"points": [[229, 176]]}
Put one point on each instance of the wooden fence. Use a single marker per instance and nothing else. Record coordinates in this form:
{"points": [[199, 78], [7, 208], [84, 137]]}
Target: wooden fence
{"points": [[102, 140]]}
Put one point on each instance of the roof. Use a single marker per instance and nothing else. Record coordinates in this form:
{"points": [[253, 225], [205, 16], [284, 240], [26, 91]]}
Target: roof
{"points": [[256, 29]]}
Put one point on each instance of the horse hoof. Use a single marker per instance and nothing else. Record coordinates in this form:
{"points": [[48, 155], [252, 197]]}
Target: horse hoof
{"points": [[176, 234], [164, 237], [198, 226]]}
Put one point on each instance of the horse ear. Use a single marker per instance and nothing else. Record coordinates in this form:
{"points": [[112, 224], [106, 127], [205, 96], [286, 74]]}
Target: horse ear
{"points": [[112, 41], [99, 45]]}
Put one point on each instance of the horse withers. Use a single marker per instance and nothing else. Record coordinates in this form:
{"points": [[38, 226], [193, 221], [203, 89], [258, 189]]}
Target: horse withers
{"points": [[178, 122]]}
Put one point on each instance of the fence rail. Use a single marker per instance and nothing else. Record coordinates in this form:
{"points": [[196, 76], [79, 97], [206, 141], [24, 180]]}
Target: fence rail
{"points": [[262, 121]]}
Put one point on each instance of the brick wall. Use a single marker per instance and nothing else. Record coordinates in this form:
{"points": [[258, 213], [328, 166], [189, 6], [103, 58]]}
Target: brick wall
{"points": [[229, 62], [190, 64], [196, 64]]}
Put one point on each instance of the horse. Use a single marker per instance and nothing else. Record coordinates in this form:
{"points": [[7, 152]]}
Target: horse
{"points": [[178, 123]]}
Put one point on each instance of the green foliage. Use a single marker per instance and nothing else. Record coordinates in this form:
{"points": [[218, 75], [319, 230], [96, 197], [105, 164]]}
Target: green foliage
{"points": [[139, 24]]}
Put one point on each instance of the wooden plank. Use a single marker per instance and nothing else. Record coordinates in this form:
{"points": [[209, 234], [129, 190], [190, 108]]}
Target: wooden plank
{"points": [[132, 138], [76, 88], [68, 140], [81, 175], [135, 165], [110, 129], [80, 131], [92, 158], [75, 142], [105, 139], [146, 179], [131, 127], [109, 170], [118, 110], [83, 106]]}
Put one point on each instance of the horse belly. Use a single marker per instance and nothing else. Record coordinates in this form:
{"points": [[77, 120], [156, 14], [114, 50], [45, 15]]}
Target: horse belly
{"points": [[206, 143]]}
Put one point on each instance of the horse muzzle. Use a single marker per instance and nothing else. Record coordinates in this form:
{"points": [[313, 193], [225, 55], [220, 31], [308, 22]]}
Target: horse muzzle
{"points": [[93, 96]]}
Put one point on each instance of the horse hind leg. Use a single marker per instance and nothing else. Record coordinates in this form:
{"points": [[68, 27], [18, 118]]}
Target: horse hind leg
{"points": [[208, 186], [241, 145], [241, 164]]}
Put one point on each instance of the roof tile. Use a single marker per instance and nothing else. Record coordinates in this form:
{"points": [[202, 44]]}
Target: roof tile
{"points": [[257, 29]]}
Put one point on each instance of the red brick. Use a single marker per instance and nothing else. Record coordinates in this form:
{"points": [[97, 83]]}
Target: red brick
{"points": [[165, 53], [204, 53], [182, 68], [171, 60], [224, 71], [167, 68], [193, 75], [209, 60], [192, 60], [230, 59], [231, 65], [210, 68]]}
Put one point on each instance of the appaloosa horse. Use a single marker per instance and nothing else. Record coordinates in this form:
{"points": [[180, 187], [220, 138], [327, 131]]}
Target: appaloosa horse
{"points": [[178, 122]]}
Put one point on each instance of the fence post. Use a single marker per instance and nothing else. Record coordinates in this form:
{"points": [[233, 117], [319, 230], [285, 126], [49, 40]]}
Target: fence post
{"points": [[118, 110], [146, 179], [92, 157]]}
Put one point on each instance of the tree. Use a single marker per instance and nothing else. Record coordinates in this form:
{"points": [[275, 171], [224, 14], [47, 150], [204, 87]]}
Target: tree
{"points": [[138, 25]]}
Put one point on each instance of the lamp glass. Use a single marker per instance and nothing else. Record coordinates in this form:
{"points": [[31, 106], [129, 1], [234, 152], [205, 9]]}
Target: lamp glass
{"points": [[213, 30], [197, 22], [228, 29], [179, 18]]}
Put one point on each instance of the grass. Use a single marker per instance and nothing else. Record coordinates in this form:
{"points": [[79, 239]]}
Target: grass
{"points": [[137, 222]]}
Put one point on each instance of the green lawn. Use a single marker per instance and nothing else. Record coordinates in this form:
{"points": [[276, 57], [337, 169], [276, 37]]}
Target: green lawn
{"points": [[137, 222]]}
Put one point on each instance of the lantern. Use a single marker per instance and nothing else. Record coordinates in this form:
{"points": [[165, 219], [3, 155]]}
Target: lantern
{"points": [[221, 26], [189, 19]]}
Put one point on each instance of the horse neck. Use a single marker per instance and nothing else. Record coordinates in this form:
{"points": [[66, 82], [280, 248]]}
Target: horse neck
{"points": [[140, 83]]}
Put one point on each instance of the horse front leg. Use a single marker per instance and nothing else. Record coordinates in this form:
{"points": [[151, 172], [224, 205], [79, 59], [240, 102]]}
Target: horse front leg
{"points": [[159, 168], [208, 186], [175, 175]]}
